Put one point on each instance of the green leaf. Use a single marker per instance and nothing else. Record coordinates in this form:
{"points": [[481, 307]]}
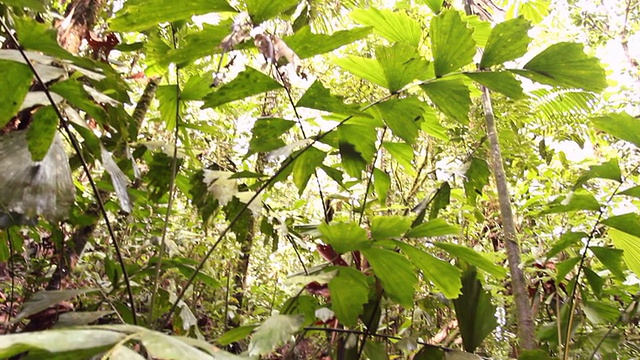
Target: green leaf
{"points": [[73, 91], [508, 41], [621, 125], [594, 280], [248, 83], [443, 275], [37, 5], [381, 183], [474, 258], [384, 227], [403, 153], [266, 134], [137, 15], [451, 42], [261, 10], [535, 355], [36, 36], [600, 313], [42, 344], [608, 170], [566, 65], [440, 200], [237, 334], [627, 248], [162, 346], [196, 87], [275, 331], [41, 132], [533, 10], [349, 292], [435, 227], [45, 299], [567, 239], [474, 311], [501, 81], [305, 166], [318, 97], [307, 44], [434, 5], [579, 199], [17, 77], [168, 98], [451, 96], [395, 273], [393, 26], [481, 29], [403, 116], [632, 191], [431, 125], [376, 350], [344, 237], [197, 44], [476, 178]]}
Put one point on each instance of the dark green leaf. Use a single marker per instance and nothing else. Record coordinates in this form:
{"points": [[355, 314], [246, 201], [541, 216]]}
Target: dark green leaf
{"points": [[304, 305], [608, 170], [395, 272], [349, 292], [261, 10], [476, 177], [501, 81], [594, 280], [534, 355], [266, 134], [443, 275], [344, 237], [508, 41], [431, 125], [247, 83], [319, 97], [36, 36], [17, 77], [564, 267], [393, 26], [376, 350], [307, 44], [629, 244], [451, 96], [73, 91], [58, 341], [440, 200], [384, 227], [41, 132], [428, 352], [567, 239], [137, 15], [435, 227], [474, 258], [620, 125], [474, 311], [237, 334], [381, 183], [305, 166], [580, 199], [566, 65], [451, 42], [403, 153], [600, 312], [403, 116]]}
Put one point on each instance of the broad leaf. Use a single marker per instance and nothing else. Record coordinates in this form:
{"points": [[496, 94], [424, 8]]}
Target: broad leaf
{"points": [[381, 183], [168, 97], [43, 300], [305, 166], [275, 331], [443, 275], [403, 116], [196, 87], [600, 312], [41, 132], [197, 44], [319, 97], [307, 44], [349, 292], [474, 311], [247, 83], [567, 239], [403, 153], [17, 77], [608, 170], [38, 36], [451, 41], [632, 191], [435, 227], [451, 96], [612, 258], [75, 93], [476, 178], [431, 125], [237, 334], [501, 81], [564, 267], [595, 281], [508, 41], [579, 199], [37, 5], [261, 10], [344, 237], [566, 65], [621, 125], [393, 26], [434, 5], [376, 350], [395, 273], [162, 346], [474, 258], [266, 134], [137, 15], [441, 200], [384, 227]]}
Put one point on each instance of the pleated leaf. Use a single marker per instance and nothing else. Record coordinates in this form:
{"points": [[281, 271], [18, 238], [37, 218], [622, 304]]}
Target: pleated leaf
{"points": [[307, 44], [451, 96], [474, 258], [344, 237], [349, 292], [393, 26], [451, 42], [318, 97], [395, 273], [443, 275], [508, 41], [261, 10], [248, 83], [501, 81], [621, 125], [305, 166]]}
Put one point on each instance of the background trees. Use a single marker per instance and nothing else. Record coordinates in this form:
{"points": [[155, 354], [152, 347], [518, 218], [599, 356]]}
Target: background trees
{"points": [[324, 171]]}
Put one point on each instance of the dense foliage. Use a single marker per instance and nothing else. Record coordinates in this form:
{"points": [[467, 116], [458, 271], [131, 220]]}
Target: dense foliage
{"points": [[318, 179]]}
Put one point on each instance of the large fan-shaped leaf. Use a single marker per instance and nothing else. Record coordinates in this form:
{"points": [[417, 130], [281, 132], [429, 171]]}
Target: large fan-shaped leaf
{"points": [[630, 245], [621, 125], [247, 83], [393, 26], [344, 237], [403, 116], [435, 227], [383, 227], [349, 292], [395, 272], [451, 41], [319, 97], [508, 41], [443, 275], [451, 96], [307, 44], [501, 81], [261, 10], [305, 166]]}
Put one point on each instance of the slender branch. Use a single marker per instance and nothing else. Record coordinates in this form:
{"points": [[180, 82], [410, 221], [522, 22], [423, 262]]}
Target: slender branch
{"points": [[85, 167]]}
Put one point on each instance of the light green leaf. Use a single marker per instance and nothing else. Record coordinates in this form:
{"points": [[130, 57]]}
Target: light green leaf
{"points": [[349, 292], [275, 331], [197, 44], [403, 116], [608, 170], [74, 92], [162, 346], [266, 134], [261, 10], [37, 5], [381, 183], [376, 350], [632, 191], [481, 29], [344, 237], [443, 275], [168, 98], [248, 83], [122, 352], [384, 227], [612, 258], [579, 199], [565, 266], [17, 77], [393, 26], [501, 81], [566, 65], [434, 5], [621, 125], [196, 87], [508, 41], [600, 313], [435, 227], [474, 311], [36, 36], [431, 125], [138, 15], [476, 178], [403, 153], [305, 166], [532, 10], [395, 272], [451, 41], [451, 96], [237, 334], [368, 69], [41, 132], [474, 258], [567, 239], [307, 44], [319, 97]]}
